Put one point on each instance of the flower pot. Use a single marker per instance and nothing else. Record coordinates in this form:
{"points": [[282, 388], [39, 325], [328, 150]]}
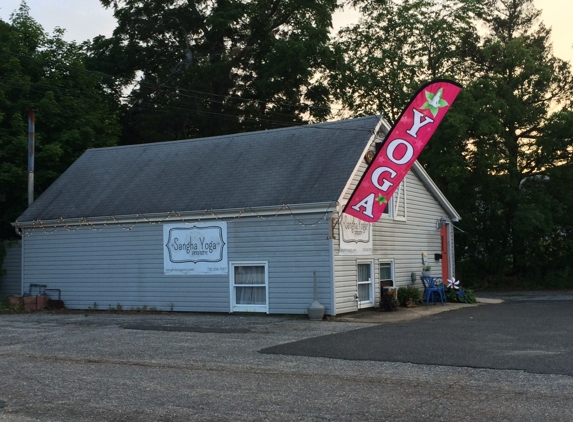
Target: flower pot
{"points": [[426, 273], [42, 302], [29, 303]]}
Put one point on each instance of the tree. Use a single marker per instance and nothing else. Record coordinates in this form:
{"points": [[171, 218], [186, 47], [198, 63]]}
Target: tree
{"points": [[517, 120], [45, 73], [207, 67], [503, 154], [398, 45]]}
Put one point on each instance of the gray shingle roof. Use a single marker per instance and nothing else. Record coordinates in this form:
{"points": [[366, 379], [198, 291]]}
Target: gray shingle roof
{"points": [[298, 165]]}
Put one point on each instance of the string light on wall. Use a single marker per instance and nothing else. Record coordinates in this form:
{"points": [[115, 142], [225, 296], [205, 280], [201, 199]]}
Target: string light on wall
{"points": [[208, 214]]}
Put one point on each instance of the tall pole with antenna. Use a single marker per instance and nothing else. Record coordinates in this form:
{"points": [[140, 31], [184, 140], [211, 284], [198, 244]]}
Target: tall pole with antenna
{"points": [[31, 148]]}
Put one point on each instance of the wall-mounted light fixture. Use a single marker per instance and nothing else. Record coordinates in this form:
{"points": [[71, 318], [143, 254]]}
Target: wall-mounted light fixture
{"points": [[441, 222], [369, 156]]}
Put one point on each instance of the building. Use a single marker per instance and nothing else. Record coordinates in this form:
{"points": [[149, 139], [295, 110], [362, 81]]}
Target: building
{"points": [[236, 223]]}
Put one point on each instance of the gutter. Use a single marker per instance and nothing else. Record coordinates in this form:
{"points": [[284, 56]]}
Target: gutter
{"points": [[172, 216]]}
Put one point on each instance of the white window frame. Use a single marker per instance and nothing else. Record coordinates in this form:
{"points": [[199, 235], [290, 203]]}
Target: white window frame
{"points": [[365, 303], [233, 307], [400, 197], [392, 275], [393, 203]]}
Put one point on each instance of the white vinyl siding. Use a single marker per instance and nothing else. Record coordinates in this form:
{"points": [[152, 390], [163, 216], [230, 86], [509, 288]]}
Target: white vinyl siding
{"points": [[112, 265], [397, 240]]}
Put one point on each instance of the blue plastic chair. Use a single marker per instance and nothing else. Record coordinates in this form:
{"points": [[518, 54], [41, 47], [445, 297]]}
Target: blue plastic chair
{"points": [[432, 291]]}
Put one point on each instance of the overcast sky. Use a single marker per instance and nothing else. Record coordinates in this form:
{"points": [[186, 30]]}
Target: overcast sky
{"points": [[85, 19]]}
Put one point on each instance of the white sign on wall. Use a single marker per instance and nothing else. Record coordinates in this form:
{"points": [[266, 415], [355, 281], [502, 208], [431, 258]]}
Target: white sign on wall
{"points": [[200, 248], [355, 236]]}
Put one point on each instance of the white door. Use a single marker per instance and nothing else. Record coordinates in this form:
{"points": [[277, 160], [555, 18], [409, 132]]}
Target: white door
{"points": [[365, 285]]}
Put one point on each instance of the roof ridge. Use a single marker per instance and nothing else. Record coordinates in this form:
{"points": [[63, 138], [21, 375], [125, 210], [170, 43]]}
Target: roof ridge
{"points": [[241, 134], [250, 169]]}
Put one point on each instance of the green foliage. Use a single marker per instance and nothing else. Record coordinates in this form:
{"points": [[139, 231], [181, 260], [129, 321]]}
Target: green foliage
{"points": [[209, 67], [73, 112], [5, 306], [396, 46], [388, 300], [503, 154], [405, 293], [2, 256], [460, 295], [8, 308]]}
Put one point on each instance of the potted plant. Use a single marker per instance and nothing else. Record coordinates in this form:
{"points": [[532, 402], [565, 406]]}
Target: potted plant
{"points": [[426, 271]]}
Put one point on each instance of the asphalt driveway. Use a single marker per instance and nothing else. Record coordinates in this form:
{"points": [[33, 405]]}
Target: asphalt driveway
{"points": [[534, 336], [528, 335]]}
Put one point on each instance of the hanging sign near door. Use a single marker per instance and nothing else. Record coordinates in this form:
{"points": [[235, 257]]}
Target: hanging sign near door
{"points": [[400, 149], [200, 248], [355, 236]]}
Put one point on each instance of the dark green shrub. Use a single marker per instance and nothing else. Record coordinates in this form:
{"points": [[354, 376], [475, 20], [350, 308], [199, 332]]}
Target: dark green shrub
{"points": [[405, 293], [460, 295], [388, 301]]}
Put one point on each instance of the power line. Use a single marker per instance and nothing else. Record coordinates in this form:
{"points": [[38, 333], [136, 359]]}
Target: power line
{"points": [[153, 106], [179, 110], [177, 89]]}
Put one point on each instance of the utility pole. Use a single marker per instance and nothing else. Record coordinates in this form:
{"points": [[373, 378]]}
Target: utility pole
{"points": [[31, 147]]}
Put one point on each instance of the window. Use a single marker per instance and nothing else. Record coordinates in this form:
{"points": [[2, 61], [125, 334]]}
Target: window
{"points": [[249, 287], [386, 274], [396, 207], [364, 284], [387, 209]]}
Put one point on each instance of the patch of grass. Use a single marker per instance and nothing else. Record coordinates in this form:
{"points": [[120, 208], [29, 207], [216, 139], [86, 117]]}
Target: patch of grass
{"points": [[7, 308]]}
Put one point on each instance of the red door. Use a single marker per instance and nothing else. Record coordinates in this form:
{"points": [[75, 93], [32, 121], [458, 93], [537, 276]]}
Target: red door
{"points": [[445, 252]]}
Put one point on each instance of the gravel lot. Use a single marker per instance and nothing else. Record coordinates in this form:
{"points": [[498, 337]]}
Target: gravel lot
{"points": [[203, 367]]}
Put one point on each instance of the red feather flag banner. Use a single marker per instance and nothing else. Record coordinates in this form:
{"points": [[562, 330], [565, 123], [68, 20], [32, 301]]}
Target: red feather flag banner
{"points": [[400, 149]]}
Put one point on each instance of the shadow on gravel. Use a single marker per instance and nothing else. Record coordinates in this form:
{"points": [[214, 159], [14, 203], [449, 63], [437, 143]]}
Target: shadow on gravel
{"points": [[215, 330], [535, 337]]}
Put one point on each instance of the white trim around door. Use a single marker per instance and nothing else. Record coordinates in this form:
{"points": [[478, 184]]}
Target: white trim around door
{"points": [[365, 284]]}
